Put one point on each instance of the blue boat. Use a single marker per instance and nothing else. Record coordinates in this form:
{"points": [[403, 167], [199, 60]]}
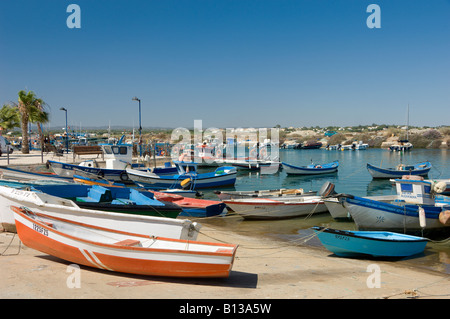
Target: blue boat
{"points": [[187, 177], [420, 169], [311, 169], [346, 243], [112, 199]]}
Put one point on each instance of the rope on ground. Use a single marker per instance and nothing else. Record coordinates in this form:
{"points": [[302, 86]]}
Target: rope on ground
{"points": [[416, 293], [7, 247], [288, 245]]}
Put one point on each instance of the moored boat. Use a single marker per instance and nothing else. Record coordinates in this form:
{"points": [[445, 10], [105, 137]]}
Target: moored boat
{"points": [[419, 169], [396, 216], [282, 192], [402, 146], [105, 183], [348, 243], [65, 208], [311, 169], [187, 177], [121, 251], [191, 206], [276, 208], [10, 173], [339, 212]]}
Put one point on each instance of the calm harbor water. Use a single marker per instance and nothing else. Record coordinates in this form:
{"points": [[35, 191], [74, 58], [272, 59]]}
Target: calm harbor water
{"points": [[351, 178]]}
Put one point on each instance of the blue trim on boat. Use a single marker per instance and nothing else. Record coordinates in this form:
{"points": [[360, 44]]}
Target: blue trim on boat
{"points": [[431, 212]]}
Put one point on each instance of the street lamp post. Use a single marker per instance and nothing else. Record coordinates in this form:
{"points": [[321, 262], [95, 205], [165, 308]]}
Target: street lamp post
{"points": [[140, 126], [67, 133]]}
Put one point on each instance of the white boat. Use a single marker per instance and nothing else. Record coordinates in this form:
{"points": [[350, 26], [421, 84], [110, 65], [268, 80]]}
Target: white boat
{"points": [[276, 208], [117, 158], [9, 173], [269, 193], [416, 210], [67, 209], [355, 146], [120, 251], [339, 212]]}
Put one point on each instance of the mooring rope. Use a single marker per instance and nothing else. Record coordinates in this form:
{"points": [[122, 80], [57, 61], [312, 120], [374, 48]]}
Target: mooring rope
{"points": [[7, 247]]}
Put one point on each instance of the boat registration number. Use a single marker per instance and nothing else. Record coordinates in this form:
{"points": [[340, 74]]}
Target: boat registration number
{"points": [[340, 237], [40, 229]]}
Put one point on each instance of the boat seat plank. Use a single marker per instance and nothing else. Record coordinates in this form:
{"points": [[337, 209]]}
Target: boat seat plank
{"points": [[129, 243]]}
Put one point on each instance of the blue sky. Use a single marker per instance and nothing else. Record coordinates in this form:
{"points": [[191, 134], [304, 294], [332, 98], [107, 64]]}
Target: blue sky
{"points": [[230, 63]]}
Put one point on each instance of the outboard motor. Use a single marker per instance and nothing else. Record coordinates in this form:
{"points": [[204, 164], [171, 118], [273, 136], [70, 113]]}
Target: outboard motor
{"points": [[326, 190]]}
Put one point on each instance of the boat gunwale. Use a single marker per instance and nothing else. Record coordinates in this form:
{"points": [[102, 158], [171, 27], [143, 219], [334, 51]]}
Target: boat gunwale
{"points": [[349, 233]]}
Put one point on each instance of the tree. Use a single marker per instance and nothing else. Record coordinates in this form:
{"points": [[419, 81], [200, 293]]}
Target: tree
{"points": [[9, 117], [31, 109]]}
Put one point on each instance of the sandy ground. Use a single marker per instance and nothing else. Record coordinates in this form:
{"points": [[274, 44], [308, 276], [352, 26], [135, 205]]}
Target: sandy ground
{"points": [[263, 269]]}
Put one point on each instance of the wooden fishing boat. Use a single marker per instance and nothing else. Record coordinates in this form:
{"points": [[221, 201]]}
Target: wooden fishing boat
{"points": [[339, 212], [117, 158], [122, 251], [89, 168], [420, 169], [283, 192], [191, 206], [396, 216], [414, 209], [64, 208], [174, 191], [276, 208], [20, 175], [348, 243], [311, 169], [187, 177], [113, 199]]}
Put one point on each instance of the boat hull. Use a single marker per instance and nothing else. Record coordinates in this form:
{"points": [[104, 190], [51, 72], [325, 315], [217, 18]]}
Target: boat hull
{"points": [[372, 243], [310, 169], [200, 181], [339, 212], [69, 170], [378, 172], [265, 208], [119, 257], [376, 215], [277, 193]]}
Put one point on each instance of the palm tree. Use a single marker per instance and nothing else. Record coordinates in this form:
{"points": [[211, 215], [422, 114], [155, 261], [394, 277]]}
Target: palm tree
{"points": [[30, 109], [9, 117]]}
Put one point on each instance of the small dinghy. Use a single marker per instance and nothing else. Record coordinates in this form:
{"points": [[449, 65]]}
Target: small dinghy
{"points": [[346, 243], [120, 251], [311, 169], [420, 169]]}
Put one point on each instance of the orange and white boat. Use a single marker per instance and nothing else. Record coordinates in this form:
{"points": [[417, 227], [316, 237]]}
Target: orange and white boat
{"points": [[121, 251]]}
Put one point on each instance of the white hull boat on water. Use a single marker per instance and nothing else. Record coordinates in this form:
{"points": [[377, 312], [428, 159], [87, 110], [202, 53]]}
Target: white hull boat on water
{"points": [[339, 212]]}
